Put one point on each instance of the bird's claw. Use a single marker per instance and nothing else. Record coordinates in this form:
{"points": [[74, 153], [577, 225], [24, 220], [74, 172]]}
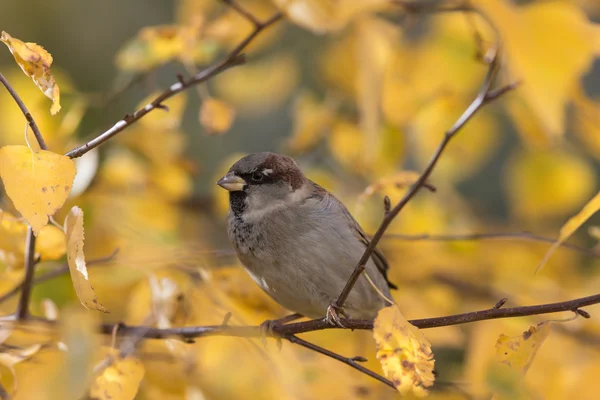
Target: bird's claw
{"points": [[332, 318]]}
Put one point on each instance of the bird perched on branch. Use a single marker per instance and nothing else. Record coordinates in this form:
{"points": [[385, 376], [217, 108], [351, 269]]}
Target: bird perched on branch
{"points": [[298, 242]]}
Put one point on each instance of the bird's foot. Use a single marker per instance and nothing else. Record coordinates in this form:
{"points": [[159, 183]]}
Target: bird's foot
{"points": [[268, 328], [332, 317]]}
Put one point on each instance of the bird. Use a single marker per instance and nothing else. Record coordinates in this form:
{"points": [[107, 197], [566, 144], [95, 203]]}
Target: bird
{"points": [[298, 242]]}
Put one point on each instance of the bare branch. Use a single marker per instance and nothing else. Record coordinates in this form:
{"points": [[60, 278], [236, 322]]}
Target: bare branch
{"points": [[484, 96], [23, 307], [26, 113], [351, 361], [319, 324], [233, 59]]}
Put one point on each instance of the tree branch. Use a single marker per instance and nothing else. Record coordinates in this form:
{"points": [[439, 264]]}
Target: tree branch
{"points": [[23, 306], [233, 59], [191, 332], [26, 113], [484, 96]]}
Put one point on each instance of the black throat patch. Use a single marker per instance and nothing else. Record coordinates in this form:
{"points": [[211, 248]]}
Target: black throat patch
{"points": [[237, 202]]}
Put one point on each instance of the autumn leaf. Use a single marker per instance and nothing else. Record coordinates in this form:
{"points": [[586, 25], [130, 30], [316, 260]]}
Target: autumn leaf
{"points": [[518, 352], [572, 225], [35, 61], [404, 352], [216, 116], [531, 56], [119, 381], [76, 260], [37, 182]]}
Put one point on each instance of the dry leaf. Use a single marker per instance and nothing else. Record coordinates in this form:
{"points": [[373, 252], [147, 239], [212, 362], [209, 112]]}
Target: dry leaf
{"points": [[572, 225], [119, 381], [518, 352], [37, 182], [216, 116], [76, 260], [404, 352], [35, 61]]}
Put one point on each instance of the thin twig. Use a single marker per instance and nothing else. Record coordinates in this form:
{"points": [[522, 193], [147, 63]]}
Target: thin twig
{"points": [[319, 324], [484, 96], [346, 360], [26, 113], [23, 306], [62, 270], [233, 59], [491, 236]]}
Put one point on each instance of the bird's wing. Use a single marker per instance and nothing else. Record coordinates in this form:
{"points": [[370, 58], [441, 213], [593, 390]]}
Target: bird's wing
{"points": [[377, 256]]}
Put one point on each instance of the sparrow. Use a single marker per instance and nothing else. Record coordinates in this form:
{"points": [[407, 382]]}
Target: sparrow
{"points": [[298, 242]]}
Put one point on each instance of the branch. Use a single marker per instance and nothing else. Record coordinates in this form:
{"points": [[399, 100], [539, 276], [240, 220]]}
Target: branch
{"points": [[23, 306], [526, 236], [283, 331], [233, 59], [484, 96], [353, 362], [26, 113]]}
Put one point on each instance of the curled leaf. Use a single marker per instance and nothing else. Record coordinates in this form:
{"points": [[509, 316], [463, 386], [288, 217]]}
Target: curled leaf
{"points": [[76, 260], [404, 352], [35, 61]]}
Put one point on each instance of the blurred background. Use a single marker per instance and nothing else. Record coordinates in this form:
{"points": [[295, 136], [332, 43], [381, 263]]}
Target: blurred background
{"points": [[360, 93]]}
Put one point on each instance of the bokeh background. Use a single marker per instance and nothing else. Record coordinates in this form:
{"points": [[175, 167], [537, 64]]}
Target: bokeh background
{"points": [[360, 93]]}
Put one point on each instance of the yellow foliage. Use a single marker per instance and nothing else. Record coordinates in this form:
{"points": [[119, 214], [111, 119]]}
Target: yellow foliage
{"points": [[37, 182], [120, 380], [404, 352], [216, 116], [76, 259], [35, 62], [525, 33], [518, 352], [261, 86], [589, 209], [311, 120], [547, 184]]}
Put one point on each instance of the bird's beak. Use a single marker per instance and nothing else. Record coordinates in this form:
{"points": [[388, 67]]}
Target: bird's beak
{"points": [[232, 182]]}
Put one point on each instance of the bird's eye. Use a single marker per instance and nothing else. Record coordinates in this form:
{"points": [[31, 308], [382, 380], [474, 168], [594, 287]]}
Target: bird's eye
{"points": [[257, 176]]}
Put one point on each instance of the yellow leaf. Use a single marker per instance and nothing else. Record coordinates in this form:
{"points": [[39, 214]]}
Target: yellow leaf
{"points": [[37, 182], [35, 61], [323, 16], [119, 381], [518, 352], [404, 352], [311, 120], [259, 87], [76, 261], [51, 243], [525, 33], [216, 116], [572, 225], [545, 184]]}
